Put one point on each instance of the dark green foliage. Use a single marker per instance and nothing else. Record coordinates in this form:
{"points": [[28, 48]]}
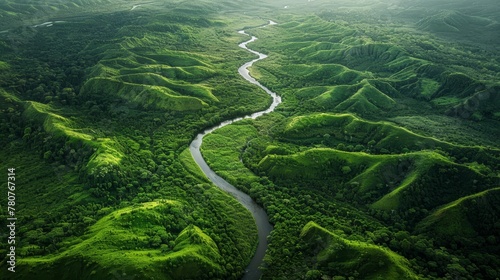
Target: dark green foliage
{"points": [[387, 137], [316, 161], [82, 154], [336, 256]]}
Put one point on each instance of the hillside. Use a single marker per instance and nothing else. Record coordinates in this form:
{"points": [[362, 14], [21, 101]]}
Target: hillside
{"points": [[132, 227], [96, 110], [467, 216], [387, 135], [381, 122], [334, 255], [389, 182]]}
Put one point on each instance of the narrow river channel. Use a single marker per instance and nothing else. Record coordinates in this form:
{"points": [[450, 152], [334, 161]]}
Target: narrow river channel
{"points": [[262, 221]]}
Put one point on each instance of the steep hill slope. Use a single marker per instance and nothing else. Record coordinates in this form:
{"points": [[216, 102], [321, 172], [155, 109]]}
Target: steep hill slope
{"points": [[469, 216], [126, 235], [335, 256]]}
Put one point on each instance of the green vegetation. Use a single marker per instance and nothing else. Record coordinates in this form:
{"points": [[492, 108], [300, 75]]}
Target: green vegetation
{"points": [[231, 139], [387, 137], [465, 216], [146, 226], [158, 251], [97, 169], [60, 127], [369, 261]]}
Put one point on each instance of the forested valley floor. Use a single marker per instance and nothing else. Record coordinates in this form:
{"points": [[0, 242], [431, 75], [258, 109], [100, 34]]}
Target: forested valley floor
{"points": [[382, 162]]}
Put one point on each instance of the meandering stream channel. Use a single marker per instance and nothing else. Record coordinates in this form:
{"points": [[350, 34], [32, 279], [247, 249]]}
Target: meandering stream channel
{"points": [[260, 216]]}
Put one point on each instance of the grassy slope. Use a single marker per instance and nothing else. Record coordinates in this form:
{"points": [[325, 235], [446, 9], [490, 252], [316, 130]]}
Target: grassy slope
{"points": [[391, 177], [107, 152], [316, 63], [402, 72], [229, 140], [379, 135], [466, 216], [362, 98], [143, 95], [194, 252], [162, 79], [190, 80], [338, 255]]}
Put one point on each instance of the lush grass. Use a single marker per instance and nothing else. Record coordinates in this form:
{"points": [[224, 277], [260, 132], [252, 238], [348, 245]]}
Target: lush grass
{"points": [[379, 137], [200, 91], [145, 96], [337, 256], [107, 151], [305, 164], [226, 145], [465, 217], [376, 113], [162, 79], [429, 87], [52, 122], [387, 181], [191, 166], [123, 238], [362, 98]]}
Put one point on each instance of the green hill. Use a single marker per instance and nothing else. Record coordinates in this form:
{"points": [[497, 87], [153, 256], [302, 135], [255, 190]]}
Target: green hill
{"points": [[457, 85], [366, 100], [453, 21], [363, 56], [335, 256], [145, 96], [468, 216], [367, 97], [387, 136], [163, 79], [132, 235], [388, 182], [375, 137], [106, 151]]}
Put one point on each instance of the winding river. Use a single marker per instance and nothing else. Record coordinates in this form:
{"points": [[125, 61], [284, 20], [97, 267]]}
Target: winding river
{"points": [[263, 226]]}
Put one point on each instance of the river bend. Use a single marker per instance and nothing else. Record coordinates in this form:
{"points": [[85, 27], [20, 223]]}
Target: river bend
{"points": [[262, 221]]}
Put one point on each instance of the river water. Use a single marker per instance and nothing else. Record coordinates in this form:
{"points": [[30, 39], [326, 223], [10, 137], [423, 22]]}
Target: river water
{"points": [[261, 220]]}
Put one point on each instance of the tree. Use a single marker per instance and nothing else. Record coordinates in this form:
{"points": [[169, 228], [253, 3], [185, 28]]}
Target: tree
{"points": [[47, 155], [155, 241], [346, 169], [313, 274]]}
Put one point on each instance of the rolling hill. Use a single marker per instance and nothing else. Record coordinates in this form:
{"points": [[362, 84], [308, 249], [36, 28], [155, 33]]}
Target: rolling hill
{"points": [[387, 137], [335, 256]]}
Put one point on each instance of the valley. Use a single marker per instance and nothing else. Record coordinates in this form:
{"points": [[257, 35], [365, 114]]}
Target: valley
{"points": [[375, 157]]}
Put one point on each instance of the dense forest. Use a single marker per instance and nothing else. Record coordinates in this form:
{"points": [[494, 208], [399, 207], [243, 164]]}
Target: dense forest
{"points": [[382, 161]]}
